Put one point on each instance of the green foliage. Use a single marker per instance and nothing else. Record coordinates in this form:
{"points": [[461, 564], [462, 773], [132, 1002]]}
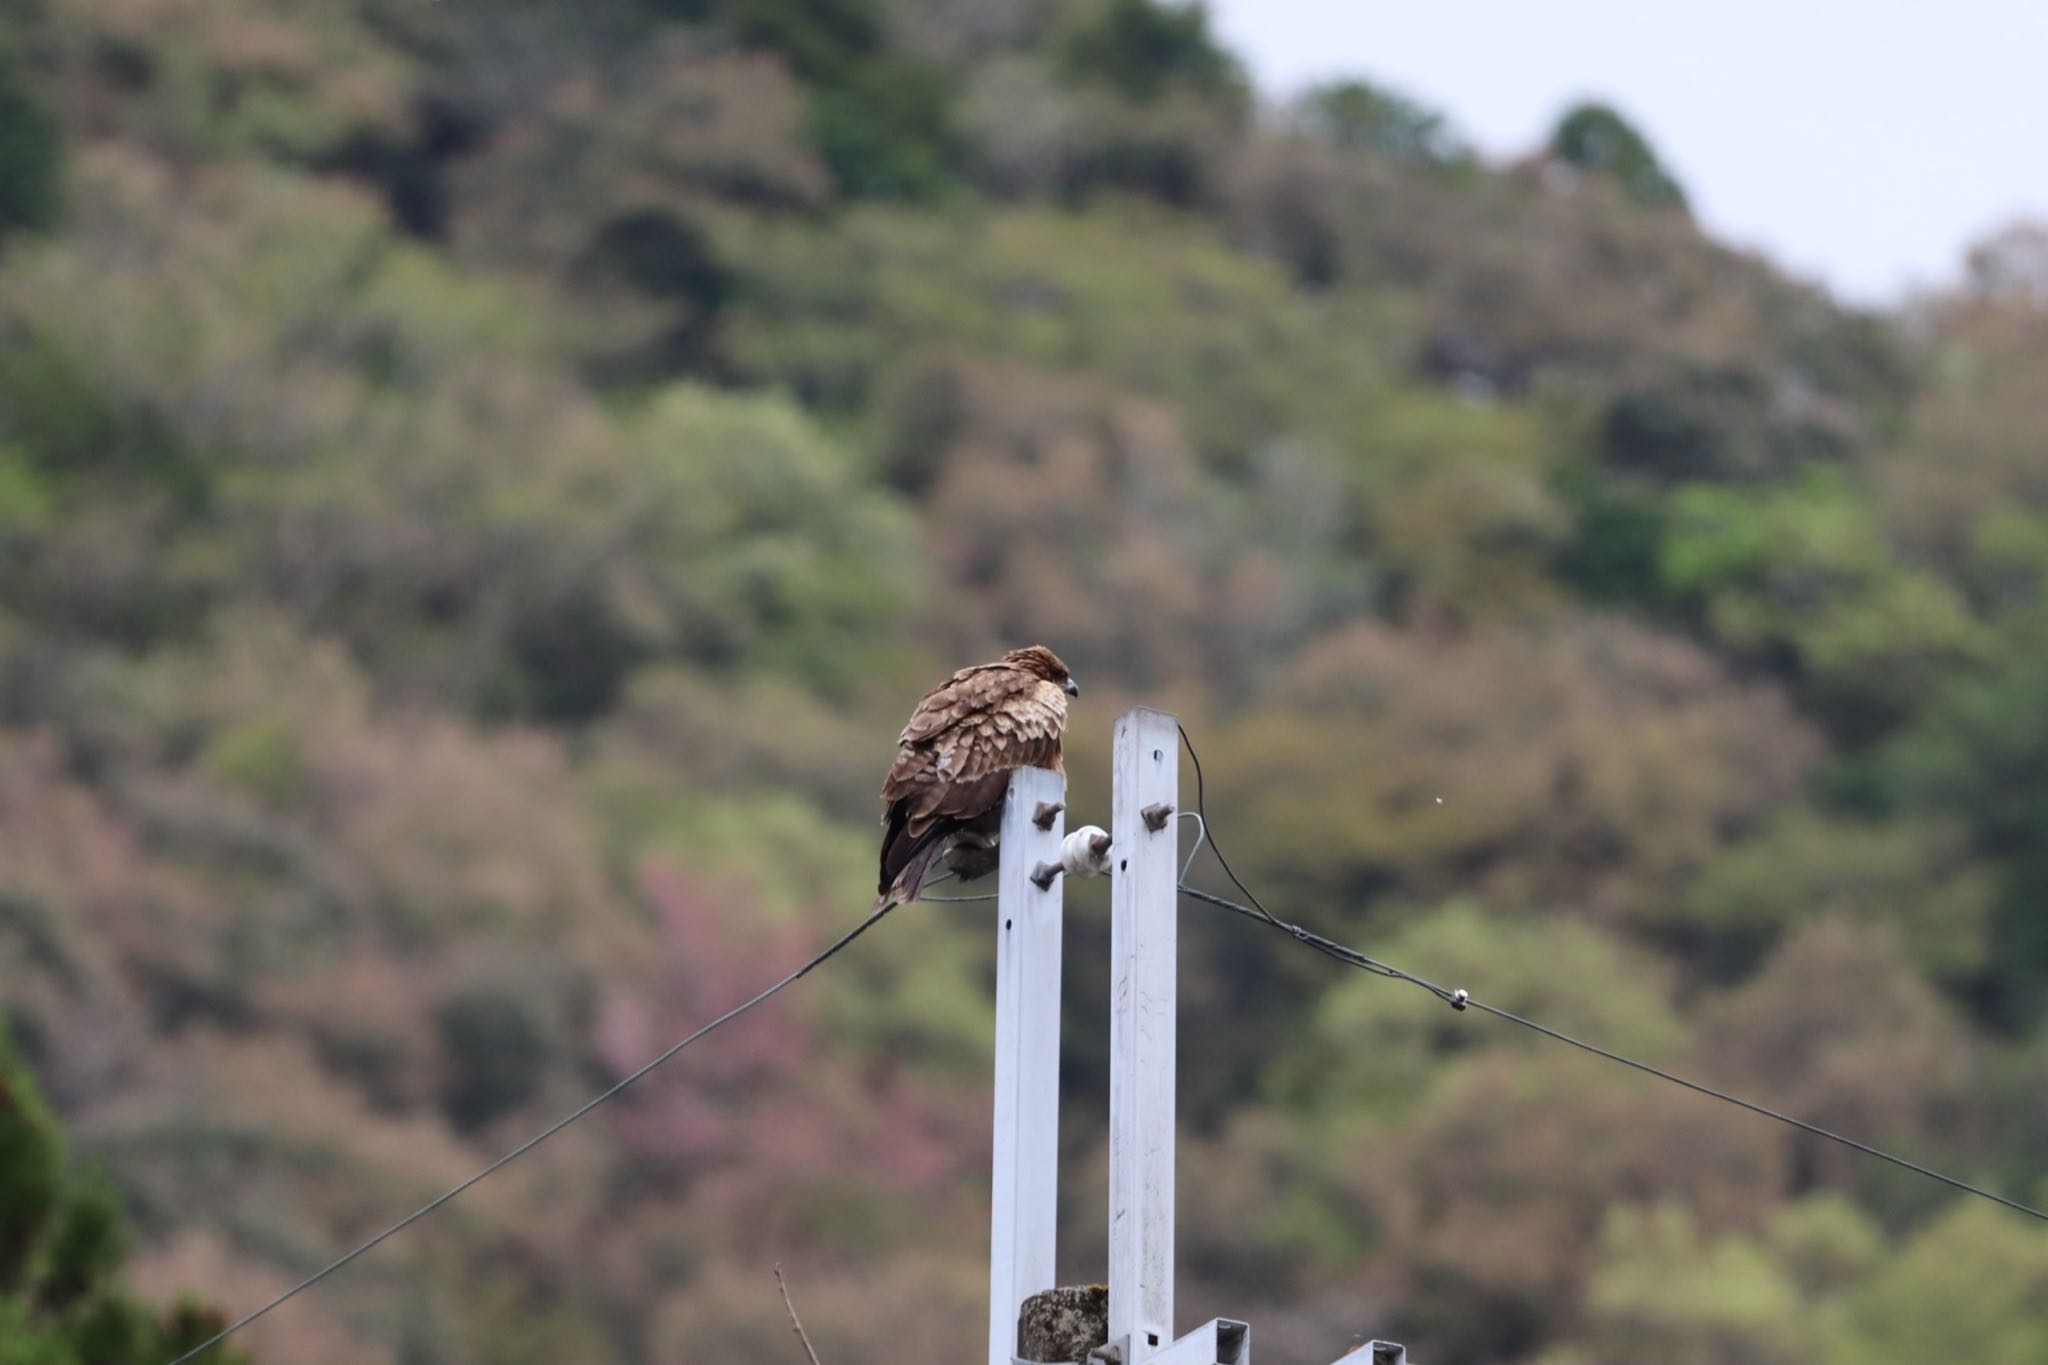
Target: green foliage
{"points": [[1915, 876], [820, 38], [1617, 535], [57, 409], [1035, 136], [61, 1249], [31, 151], [1803, 575], [1570, 975], [1665, 1285], [1144, 49], [1534, 1149], [1140, 299], [260, 755], [32, 1164], [1456, 505], [1597, 138], [1973, 1284], [301, 84], [743, 537], [496, 1051], [1562, 781], [887, 135], [1726, 422], [1974, 755], [1664, 1292], [772, 552], [1839, 1018], [881, 120], [480, 483], [1358, 116], [27, 501]]}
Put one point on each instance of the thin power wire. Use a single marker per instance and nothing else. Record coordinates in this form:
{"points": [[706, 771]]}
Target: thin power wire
{"points": [[1755, 1108], [1350, 957], [523, 1148], [945, 875], [1202, 809], [1459, 999], [1257, 910]]}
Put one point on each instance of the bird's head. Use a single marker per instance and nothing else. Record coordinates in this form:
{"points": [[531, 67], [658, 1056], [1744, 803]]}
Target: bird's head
{"points": [[1039, 660]]}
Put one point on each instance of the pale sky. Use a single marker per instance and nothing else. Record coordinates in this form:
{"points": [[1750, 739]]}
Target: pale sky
{"points": [[1861, 143]]}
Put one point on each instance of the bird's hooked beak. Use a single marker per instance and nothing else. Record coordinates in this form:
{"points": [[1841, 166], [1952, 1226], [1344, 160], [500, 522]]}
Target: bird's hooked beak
{"points": [[1073, 688]]}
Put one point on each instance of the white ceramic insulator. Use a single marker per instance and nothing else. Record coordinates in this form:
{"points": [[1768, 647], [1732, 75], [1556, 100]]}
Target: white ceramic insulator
{"points": [[1078, 856]]}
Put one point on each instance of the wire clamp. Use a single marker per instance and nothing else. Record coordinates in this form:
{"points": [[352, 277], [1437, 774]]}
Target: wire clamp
{"points": [[1459, 998]]}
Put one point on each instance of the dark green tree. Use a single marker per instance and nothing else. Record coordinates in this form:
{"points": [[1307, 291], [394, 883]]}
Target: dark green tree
{"points": [[1978, 753], [1595, 137], [61, 1248], [1358, 116], [1145, 50], [31, 151], [881, 120]]}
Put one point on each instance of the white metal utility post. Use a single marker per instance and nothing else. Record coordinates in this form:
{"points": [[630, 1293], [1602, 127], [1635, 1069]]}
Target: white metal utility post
{"points": [[1025, 1191], [1143, 859], [1143, 999]]}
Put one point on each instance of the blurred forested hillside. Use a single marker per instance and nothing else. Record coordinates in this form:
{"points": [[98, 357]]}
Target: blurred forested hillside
{"points": [[483, 481]]}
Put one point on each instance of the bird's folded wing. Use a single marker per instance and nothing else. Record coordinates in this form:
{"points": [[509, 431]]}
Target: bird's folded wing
{"points": [[981, 722]]}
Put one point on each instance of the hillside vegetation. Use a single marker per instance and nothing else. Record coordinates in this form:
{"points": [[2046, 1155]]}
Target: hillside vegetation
{"points": [[481, 485]]}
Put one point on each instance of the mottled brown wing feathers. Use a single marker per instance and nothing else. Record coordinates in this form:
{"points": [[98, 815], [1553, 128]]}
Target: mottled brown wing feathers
{"points": [[954, 758], [971, 689], [988, 725], [963, 727], [1023, 731]]}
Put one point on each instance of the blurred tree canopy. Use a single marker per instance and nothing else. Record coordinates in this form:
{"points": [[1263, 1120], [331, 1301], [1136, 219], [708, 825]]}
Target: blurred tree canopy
{"points": [[481, 484], [1145, 48], [1595, 137], [879, 118], [1358, 116], [31, 150]]}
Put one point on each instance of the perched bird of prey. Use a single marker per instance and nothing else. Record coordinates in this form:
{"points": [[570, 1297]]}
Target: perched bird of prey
{"points": [[954, 760]]}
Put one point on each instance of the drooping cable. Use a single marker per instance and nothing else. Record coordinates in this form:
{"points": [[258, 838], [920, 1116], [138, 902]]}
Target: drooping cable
{"points": [[537, 1139]]}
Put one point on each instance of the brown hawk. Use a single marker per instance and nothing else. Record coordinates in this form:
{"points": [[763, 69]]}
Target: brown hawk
{"points": [[954, 759]]}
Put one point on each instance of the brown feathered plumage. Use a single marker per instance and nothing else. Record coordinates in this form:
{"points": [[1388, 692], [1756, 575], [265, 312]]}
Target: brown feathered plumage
{"points": [[954, 759]]}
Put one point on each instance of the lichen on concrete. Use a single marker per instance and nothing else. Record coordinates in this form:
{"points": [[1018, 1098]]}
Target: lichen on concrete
{"points": [[1061, 1326]]}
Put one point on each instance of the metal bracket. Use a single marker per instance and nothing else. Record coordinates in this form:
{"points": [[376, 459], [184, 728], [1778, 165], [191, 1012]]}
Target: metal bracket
{"points": [[1042, 875], [1219, 1341], [1047, 812], [1377, 1353], [1157, 816]]}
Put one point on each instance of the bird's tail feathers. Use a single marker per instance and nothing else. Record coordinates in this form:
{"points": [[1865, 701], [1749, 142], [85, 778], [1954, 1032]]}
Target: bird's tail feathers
{"points": [[910, 880]]}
